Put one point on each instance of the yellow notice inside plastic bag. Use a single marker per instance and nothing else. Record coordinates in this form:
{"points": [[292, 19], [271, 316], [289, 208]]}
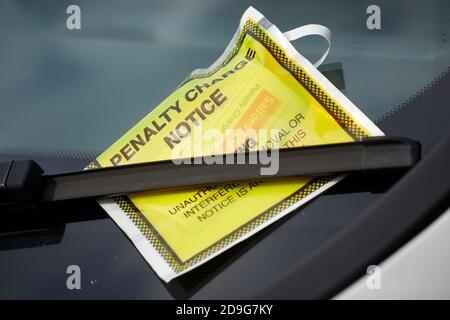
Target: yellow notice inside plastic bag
{"points": [[257, 84]]}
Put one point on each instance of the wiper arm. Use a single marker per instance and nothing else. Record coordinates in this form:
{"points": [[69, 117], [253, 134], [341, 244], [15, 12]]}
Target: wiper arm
{"points": [[24, 181]]}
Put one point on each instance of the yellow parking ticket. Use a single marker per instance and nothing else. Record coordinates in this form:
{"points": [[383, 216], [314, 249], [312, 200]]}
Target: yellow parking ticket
{"points": [[260, 83]]}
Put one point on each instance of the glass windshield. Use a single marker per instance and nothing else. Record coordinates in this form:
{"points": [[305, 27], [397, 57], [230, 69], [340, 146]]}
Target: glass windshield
{"points": [[66, 95], [82, 89]]}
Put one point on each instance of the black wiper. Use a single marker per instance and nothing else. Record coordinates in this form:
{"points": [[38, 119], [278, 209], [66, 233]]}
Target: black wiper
{"points": [[24, 181]]}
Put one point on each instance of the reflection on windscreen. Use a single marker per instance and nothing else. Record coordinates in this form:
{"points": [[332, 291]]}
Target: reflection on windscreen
{"points": [[82, 89]]}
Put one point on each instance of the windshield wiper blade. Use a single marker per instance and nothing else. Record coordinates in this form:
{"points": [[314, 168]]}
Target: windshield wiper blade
{"points": [[24, 181]]}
